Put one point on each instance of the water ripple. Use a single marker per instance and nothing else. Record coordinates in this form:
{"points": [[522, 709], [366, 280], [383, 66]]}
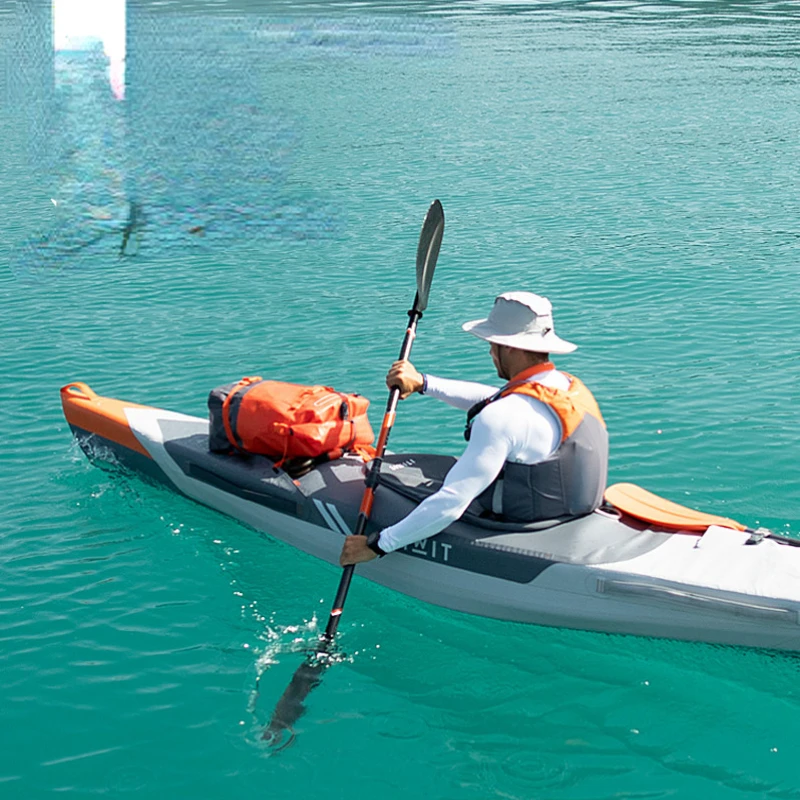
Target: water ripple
{"points": [[637, 163]]}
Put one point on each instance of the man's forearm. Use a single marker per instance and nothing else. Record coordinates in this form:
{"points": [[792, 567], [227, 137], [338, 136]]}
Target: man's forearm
{"points": [[478, 466], [433, 515]]}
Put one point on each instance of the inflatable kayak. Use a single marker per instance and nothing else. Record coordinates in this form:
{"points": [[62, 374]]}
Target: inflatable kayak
{"points": [[639, 565]]}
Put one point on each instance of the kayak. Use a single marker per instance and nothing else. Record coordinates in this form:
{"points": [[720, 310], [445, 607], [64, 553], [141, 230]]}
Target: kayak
{"points": [[638, 565]]}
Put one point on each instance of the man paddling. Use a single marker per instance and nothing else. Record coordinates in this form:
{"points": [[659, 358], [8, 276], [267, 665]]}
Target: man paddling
{"points": [[537, 448]]}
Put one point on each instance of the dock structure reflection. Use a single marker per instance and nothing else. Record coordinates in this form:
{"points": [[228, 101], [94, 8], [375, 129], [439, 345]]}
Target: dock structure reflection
{"points": [[154, 136]]}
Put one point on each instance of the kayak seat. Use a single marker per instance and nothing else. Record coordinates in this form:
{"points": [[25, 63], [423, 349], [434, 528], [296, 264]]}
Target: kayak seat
{"points": [[596, 538], [419, 475]]}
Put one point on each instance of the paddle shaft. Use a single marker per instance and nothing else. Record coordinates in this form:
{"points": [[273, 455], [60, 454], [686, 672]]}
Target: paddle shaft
{"points": [[373, 475]]}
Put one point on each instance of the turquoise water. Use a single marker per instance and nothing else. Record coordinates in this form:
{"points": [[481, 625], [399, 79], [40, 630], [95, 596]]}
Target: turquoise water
{"points": [[636, 163]]}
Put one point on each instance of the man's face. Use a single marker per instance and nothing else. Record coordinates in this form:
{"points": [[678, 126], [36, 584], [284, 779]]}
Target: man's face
{"points": [[496, 352]]}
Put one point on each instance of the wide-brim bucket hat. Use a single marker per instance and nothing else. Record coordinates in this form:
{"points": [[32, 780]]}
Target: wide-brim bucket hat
{"points": [[523, 320]]}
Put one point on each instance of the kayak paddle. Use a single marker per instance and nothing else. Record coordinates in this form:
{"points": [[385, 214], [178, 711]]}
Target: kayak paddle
{"points": [[290, 706]]}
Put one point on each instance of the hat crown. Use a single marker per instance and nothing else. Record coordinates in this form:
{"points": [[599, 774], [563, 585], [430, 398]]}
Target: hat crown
{"points": [[523, 320], [521, 312]]}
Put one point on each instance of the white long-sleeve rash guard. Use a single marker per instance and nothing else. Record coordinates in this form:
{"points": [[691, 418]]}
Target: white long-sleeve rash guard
{"points": [[515, 428]]}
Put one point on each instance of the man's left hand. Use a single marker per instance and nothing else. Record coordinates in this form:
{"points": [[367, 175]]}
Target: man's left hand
{"points": [[355, 551]]}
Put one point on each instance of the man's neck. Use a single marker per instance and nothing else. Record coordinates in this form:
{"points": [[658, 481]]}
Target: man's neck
{"points": [[535, 369]]}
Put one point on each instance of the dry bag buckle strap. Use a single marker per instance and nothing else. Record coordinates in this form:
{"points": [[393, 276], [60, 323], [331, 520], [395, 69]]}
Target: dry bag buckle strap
{"points": [[233, 437], [344, 415]]}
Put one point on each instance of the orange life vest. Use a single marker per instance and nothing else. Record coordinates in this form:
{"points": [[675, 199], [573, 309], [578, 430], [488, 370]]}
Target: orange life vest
{"points": [[570, 406], [568, 483]]}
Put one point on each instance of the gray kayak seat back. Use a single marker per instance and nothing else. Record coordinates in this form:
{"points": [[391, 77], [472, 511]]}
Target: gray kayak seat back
{"points": [[570, 483], [419, 475]]}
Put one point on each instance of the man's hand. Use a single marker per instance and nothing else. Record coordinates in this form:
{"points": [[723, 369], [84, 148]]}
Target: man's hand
{"points": [[355, 551], [405, 377]]}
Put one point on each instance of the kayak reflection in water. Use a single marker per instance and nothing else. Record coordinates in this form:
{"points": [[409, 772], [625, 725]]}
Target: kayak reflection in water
{"points": [[537, 447]]}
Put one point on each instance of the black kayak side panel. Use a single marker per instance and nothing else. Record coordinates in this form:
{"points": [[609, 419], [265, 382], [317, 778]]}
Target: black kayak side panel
{"points": [[467, 554], [253, 478]]}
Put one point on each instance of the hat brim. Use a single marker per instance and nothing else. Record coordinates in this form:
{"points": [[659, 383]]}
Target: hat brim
{"points": [[532, 342]]}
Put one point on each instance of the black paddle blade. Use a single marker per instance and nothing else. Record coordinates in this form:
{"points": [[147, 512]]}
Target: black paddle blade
{"points": [[291, 706], [430, 240]]}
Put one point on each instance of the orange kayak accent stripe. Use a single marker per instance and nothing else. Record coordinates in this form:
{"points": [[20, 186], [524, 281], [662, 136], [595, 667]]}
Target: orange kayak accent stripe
{"points": [[641, 504], [101, 415]]}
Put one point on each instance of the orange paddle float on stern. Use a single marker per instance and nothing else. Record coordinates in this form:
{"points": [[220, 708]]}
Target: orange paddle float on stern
{"points": [[636, 502]]}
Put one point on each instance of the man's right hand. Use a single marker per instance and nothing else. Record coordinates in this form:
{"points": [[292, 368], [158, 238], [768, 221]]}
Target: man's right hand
{"points": [[405, 377]]}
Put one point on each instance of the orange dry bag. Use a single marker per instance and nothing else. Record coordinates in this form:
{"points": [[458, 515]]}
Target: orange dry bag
{"points": [[285, 421]]}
